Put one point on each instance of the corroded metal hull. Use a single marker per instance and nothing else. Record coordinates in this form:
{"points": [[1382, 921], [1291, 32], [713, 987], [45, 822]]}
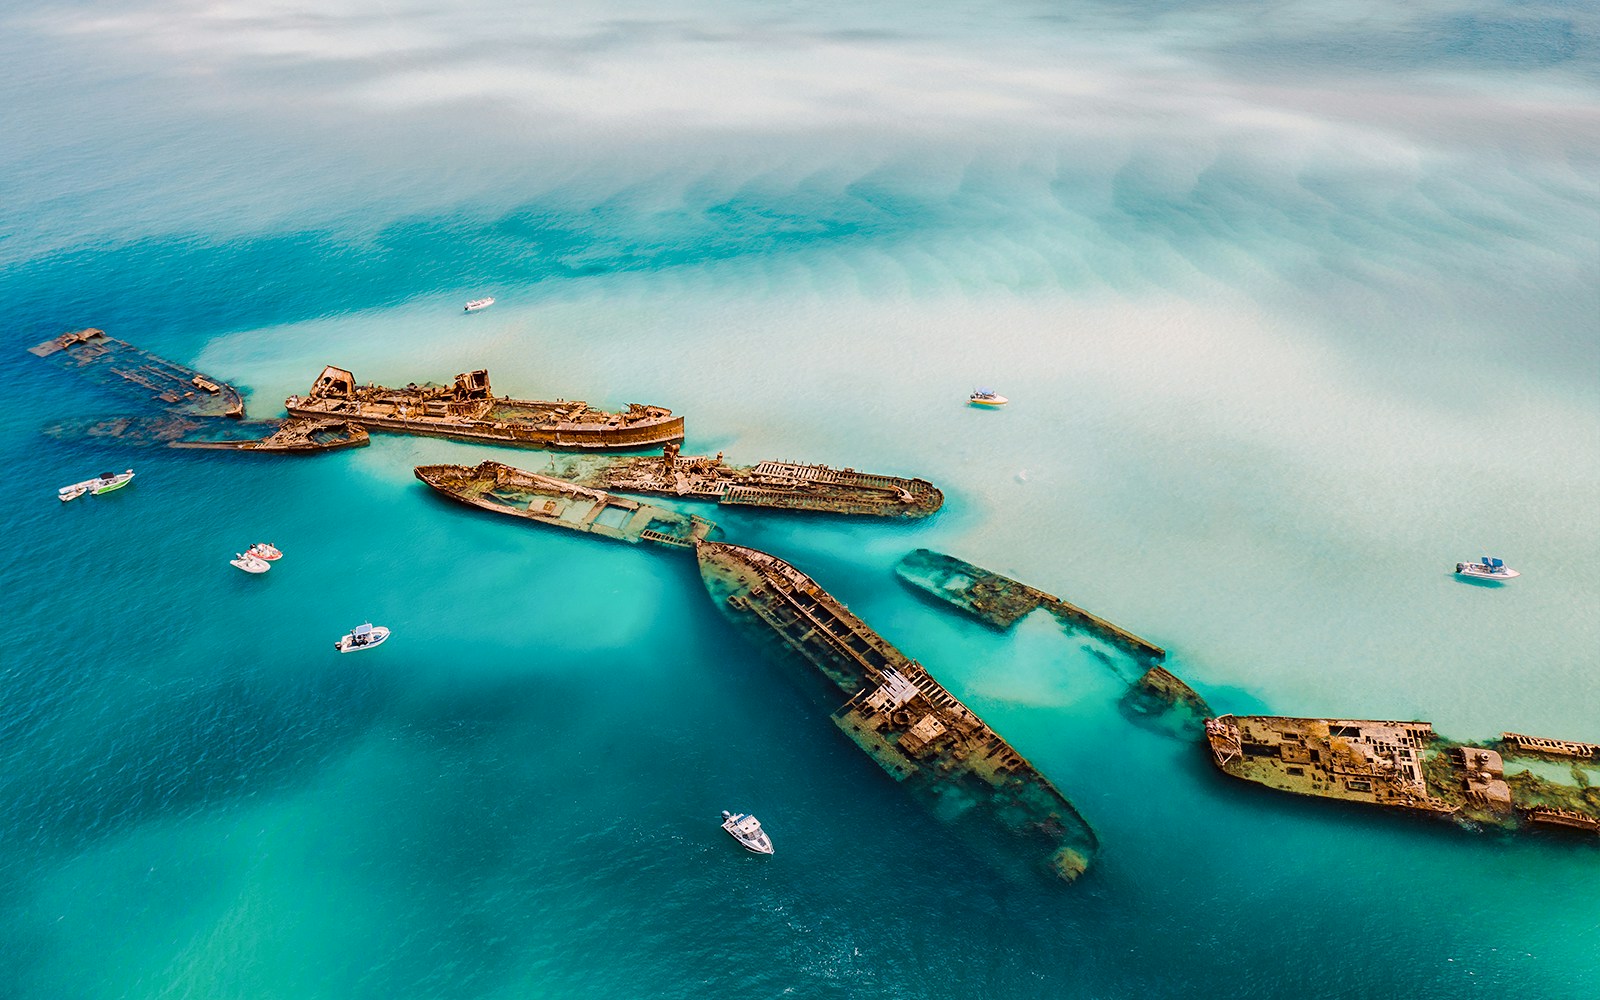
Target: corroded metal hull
{"points": [[1001, 602], [120, 366], [468, 411], [294, 436], [502, 489], [919, 733], [1407, 766], [778, 485]]}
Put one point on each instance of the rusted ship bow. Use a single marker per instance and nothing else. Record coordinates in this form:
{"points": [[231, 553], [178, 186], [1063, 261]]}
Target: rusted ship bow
{"points": [[469, 411], [904, 719]]}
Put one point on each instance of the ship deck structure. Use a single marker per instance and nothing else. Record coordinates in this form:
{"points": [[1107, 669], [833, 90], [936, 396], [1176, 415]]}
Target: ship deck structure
{"points": [[292, 436], [780, 485], [895, 711], [1514, 782], [544, 500], [468, 410], [120, 366]]}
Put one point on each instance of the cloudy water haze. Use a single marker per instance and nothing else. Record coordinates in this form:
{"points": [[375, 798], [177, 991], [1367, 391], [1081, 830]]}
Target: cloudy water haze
{"points": [[1297, 306]]}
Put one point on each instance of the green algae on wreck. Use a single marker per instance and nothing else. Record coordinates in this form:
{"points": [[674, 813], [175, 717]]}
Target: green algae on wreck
{"points": [[918, 732], [502, 489], [1407, 766], [1000, 602]]}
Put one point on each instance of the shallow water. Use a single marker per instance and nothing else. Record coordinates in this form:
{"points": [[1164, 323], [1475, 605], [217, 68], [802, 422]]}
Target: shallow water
{"points": [[1296, 307]]}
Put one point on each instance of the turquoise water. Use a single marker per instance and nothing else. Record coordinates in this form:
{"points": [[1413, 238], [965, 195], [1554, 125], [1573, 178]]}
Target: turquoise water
{"points": [[1297, 307]]}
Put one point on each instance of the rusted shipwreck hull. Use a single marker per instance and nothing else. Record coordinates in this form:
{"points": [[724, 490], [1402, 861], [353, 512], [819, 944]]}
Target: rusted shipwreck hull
{"points": [[1510, 782], [469, 411], [778, 485], [1001, 602], [296, 435], [502, 489], [918, 732], [120, 366]]}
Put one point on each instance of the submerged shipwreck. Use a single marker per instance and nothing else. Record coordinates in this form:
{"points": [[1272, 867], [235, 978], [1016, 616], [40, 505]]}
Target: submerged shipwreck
{"points": [[502, 489], [904, 719], [1000, 602], [291, 436], [201, 412], [119, 365], [1515, 782], [781, 485], [469, 411]]}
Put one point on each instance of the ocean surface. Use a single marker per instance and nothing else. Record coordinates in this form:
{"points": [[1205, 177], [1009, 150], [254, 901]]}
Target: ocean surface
{"points": [[1298, 305]]}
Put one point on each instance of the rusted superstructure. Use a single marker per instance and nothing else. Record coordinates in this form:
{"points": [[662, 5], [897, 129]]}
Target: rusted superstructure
{"points": [[468, 410], [118, 365], [502, 489], [1509, 783], [1000, 602], [292, 436], [905, 720], [780, 485]]}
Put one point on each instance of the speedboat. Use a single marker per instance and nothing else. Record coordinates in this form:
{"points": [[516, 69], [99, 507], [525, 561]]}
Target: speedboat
{"points": [[103, 483], [987, 397], [109, 481], [362, 637], [1489, 569], [249, 563], [746, 829], [476, 304], [264, 550]]}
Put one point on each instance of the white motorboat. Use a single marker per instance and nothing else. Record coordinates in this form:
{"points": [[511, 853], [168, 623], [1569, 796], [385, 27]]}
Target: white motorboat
{"points": [[362, 637], [1489, 569], [987, 397], [477, 305], [249, 563], [746, 829], [264, 550], [103, 483]]}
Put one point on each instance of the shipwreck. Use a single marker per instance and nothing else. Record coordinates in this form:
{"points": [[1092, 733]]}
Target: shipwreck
{"points": [[292, 436], [1515, 782], [118, 365], [502, 489], [895, 711], [773, 484], [1000, 602], [469, 411]]}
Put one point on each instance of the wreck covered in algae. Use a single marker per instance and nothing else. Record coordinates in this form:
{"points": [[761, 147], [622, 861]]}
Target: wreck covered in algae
{"points": [[469, 411], [292, 436], [118, 365], [1514, 782], [779, 485], [1000, 602], [904, 719], [502, 489]]}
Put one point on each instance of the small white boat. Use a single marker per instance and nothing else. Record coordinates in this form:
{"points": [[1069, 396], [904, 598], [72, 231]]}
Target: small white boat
{"points": [[987, 397], [746, 829], [264, 550], [362, 637], [478, 304], [1489, 569], [103, 483], [249, 563]]}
